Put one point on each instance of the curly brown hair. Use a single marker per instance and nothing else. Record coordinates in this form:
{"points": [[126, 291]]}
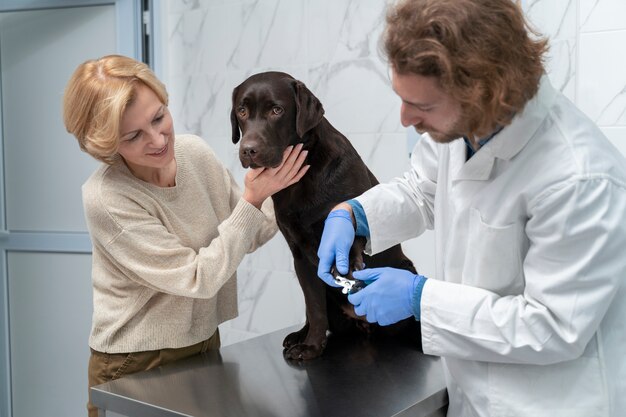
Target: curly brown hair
{"points": [[483, 52]]}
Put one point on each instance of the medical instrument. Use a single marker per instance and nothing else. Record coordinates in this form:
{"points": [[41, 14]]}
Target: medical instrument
{"points": [[350, 286]]}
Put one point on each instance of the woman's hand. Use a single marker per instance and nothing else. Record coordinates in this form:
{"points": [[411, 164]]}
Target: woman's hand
{"points": [[261, 183]]}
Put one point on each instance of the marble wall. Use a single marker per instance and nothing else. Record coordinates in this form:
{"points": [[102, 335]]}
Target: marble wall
{"points": [[210, 46]]}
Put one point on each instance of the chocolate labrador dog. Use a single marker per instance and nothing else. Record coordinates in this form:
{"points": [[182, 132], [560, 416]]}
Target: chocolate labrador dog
{"points": [[273, 110]]}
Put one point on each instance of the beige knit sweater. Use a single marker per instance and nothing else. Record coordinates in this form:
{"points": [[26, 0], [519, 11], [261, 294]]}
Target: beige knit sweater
{"points": [[165, 259]]}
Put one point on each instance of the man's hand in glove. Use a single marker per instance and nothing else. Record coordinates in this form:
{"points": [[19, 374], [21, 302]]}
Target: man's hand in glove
{"points": [[335, 245], [390, 295]]}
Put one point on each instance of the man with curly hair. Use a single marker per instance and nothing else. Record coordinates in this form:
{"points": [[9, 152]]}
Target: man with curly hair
{"points": [[526, 198]]}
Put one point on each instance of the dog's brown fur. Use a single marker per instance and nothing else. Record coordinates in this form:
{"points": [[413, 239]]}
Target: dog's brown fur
{"points": [[273, 111]]}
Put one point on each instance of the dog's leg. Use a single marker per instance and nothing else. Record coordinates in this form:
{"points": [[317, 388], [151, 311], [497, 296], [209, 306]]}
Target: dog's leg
{"points": [[356, 254], [310, 341]]}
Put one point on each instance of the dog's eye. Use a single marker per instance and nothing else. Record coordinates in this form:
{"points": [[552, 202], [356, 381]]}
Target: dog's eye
{"points": [[241, 111], [277, 110]]}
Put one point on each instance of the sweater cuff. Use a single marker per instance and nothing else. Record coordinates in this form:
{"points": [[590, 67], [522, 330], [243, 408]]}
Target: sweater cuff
{"points": [[246, 217], [416, 299]]}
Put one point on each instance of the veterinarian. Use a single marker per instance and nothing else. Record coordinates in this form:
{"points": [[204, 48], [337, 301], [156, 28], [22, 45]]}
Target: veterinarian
{"points": [[527, 200], [168, 223]]}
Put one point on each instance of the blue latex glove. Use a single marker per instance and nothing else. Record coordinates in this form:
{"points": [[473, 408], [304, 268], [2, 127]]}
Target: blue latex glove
{"points": [[388, 297], [337, 239]]}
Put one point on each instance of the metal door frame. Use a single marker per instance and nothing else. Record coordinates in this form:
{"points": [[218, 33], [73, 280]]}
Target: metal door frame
{"points": [[133, 23]]}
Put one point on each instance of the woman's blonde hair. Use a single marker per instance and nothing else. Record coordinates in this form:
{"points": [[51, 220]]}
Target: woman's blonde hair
{"points": [[481, 51], [96, 97]]}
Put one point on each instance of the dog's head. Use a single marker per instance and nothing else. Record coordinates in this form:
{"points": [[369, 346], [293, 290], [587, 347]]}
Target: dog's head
{"points": [[273, 110]]}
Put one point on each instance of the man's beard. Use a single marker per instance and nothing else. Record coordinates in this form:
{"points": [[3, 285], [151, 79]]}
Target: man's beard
{"points": [[452, 133]]}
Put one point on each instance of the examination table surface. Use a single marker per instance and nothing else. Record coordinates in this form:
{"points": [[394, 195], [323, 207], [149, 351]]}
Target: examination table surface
{"points": [[354, 377]]}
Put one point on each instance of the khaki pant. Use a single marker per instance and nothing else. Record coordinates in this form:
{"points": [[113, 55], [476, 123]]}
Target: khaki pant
{"points": [[104, 367]]}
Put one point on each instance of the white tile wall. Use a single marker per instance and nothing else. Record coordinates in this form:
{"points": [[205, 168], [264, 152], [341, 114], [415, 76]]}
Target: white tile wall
{"points": [[602, 80], [602, 15], [332, 45]]}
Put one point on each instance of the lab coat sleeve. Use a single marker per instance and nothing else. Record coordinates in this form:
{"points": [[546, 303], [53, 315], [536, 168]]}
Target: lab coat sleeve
{"points": [[573, 269], [403, 208]]}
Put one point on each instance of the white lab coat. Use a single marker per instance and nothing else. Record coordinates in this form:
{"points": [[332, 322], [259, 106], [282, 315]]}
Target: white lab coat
{"points": [[528, 307]]}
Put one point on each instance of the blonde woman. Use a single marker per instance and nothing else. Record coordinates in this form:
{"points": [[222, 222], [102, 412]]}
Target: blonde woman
{"points": [[168, 223]]}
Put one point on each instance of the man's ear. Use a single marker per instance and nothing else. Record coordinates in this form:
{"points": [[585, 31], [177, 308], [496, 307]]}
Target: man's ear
{"points": [[309, 110], [236, 134]]}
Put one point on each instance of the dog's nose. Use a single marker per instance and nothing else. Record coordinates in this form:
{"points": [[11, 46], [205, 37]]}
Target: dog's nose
{"points": [[248, 150]]}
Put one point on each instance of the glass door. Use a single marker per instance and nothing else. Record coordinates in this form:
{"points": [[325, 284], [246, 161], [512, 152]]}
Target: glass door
{"points": [[45, 252]]}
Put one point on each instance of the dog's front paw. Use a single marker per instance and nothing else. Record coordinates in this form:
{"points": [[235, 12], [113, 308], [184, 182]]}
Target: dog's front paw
{"points": [[295, 338], [302, 352], [292, 339]]}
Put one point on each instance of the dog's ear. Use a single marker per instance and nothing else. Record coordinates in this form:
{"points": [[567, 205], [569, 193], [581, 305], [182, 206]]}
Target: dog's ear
{"points": [[233, 119], [309, 110]]}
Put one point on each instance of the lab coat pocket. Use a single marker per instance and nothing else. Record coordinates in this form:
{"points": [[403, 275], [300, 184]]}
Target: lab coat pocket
{"points": [[493, 260]]}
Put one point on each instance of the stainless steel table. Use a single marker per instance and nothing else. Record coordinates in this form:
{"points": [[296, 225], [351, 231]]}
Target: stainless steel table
{"points": [[354, 378]]}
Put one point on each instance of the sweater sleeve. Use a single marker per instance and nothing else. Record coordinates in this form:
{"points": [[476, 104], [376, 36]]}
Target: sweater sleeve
{"points": [[150, 255], [187, 241], [268, 227]]}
